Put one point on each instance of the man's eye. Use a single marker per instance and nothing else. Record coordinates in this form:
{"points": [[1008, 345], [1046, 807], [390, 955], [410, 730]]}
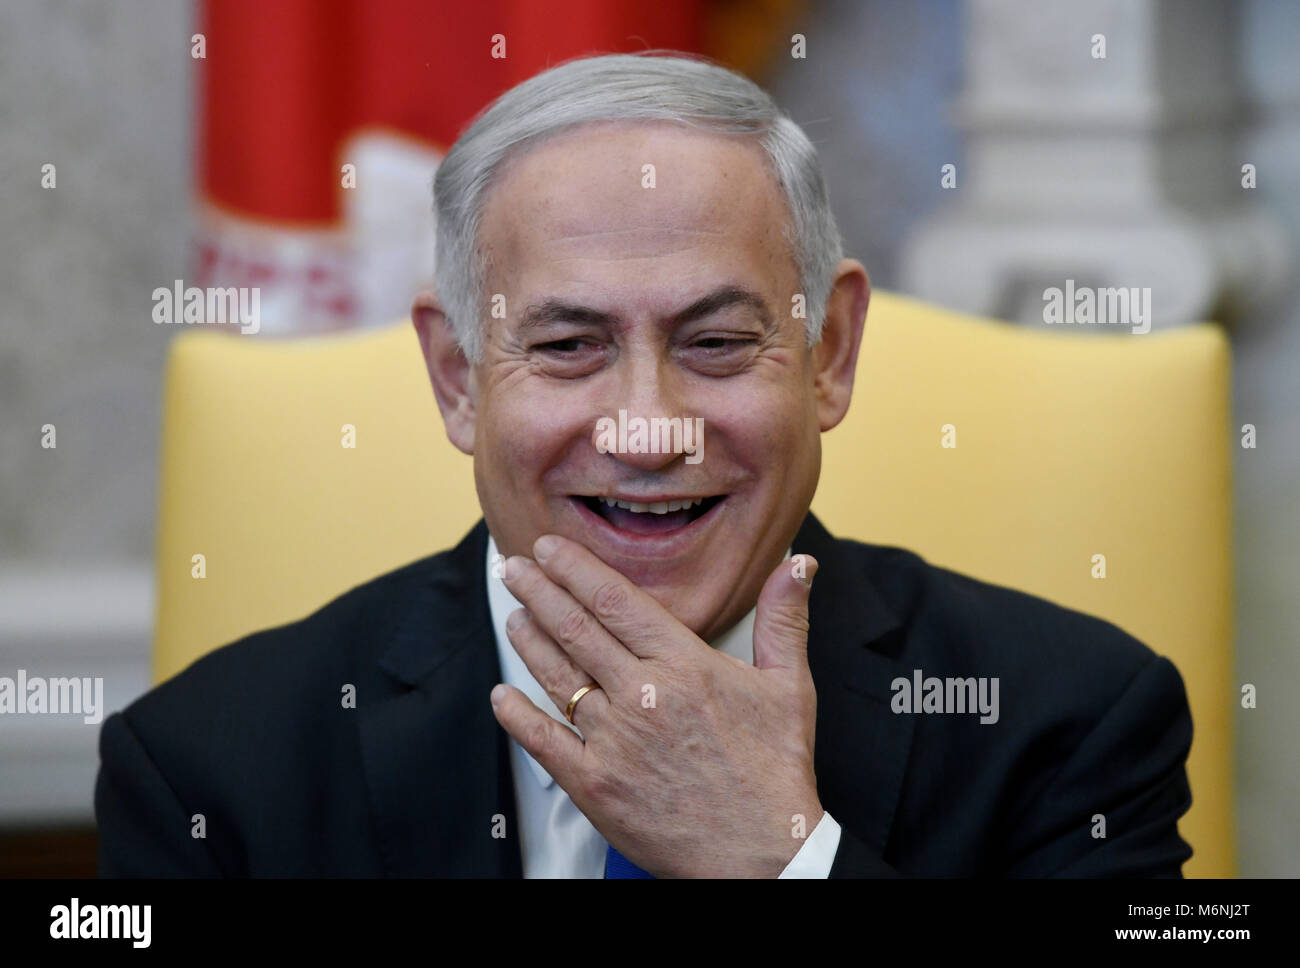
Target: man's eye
{"points": [[572, 357], [722, 342], [563, 346]]}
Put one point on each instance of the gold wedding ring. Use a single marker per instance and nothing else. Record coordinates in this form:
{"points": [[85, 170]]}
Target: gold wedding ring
{"points": [[568, 712]]}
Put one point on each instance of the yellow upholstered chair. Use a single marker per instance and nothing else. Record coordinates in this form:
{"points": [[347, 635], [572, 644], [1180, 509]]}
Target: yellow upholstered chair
{"points": [[1068, 446]]}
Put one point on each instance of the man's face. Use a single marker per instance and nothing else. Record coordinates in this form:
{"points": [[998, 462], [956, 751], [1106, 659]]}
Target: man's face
{"points": [[666, 301]]}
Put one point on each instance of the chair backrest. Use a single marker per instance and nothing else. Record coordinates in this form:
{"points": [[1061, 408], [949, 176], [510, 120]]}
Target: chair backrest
{"points": [[1068, 446]]}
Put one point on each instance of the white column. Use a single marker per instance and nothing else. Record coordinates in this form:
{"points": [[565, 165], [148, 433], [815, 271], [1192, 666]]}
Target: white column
{"points": [[1100, 147]]}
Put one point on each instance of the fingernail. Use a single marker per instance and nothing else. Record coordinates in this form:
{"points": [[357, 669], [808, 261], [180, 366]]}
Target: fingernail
{"points": [[515, 619], [498, 693], [545, 546], [512, 568]]}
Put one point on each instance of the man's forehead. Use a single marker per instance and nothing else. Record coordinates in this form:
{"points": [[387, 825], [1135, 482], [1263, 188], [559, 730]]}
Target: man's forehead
{"points": [[590, 179], [633, 191], [587, 147]]}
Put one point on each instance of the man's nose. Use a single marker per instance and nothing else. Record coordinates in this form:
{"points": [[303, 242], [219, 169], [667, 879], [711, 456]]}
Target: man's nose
{"points": [[647, 394]]}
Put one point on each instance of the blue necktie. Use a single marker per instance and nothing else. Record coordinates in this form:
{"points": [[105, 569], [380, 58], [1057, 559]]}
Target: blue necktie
{"points": [[618, 866]]}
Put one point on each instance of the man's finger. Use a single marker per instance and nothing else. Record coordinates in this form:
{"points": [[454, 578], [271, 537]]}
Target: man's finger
{"points": [[553, 669], [550, 743], [781, 622], [631, 615], [570, 625]]}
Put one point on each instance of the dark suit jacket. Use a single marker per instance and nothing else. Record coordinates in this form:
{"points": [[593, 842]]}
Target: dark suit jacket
{"points": [[289, 782]]}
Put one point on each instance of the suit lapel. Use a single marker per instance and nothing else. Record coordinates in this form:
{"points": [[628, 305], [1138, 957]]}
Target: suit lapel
{"points": [[436, 762], [862, 747]]}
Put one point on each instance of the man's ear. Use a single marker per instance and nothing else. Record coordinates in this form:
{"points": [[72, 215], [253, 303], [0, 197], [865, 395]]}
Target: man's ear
{"points": [[449, 372], [835, 357]]}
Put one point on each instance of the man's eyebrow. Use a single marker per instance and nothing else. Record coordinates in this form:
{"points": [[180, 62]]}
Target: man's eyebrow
{"points": [[723, 298], [556, 310]]}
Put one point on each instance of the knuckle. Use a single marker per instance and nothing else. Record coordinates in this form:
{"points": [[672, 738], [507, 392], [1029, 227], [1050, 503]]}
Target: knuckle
{"points": [[792, 618], [611, 598], [547, 672], [538, 737], [573, 627]]}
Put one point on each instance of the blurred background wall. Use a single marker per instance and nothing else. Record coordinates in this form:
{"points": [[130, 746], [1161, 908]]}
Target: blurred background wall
{"points": [[104, 93], [890, 92]]}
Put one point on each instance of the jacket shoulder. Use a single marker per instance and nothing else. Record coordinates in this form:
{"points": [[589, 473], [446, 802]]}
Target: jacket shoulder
{"points": [[1085, 719], [1054, 663], [275, 695], [1004, 617]]}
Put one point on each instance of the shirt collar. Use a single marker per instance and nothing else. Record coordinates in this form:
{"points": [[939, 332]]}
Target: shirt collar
{"points": [[738, 642]]}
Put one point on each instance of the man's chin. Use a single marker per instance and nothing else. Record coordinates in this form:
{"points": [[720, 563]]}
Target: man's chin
{"points": [[689, 605]]}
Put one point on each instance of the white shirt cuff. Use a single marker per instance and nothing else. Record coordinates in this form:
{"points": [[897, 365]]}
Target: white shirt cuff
{"points": [[817, 854]]}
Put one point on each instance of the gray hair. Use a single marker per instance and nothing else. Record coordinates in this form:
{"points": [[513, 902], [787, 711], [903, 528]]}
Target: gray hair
{"points": [[624, 87]]}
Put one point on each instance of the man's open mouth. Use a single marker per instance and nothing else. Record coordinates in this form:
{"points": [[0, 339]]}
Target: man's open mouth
{"points": [[657, 517]]}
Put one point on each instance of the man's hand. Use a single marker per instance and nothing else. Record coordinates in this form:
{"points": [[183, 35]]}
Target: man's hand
{"points": [[694, 763]]}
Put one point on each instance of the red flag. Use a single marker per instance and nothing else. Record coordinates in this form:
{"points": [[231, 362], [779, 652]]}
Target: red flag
{"points": [[294, 92]]}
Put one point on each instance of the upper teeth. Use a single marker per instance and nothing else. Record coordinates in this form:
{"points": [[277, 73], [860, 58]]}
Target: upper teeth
{"points": [[658, 507]]}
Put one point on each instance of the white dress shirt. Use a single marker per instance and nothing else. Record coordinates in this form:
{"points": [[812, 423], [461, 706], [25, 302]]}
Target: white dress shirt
{"points": [[556, 838]]}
